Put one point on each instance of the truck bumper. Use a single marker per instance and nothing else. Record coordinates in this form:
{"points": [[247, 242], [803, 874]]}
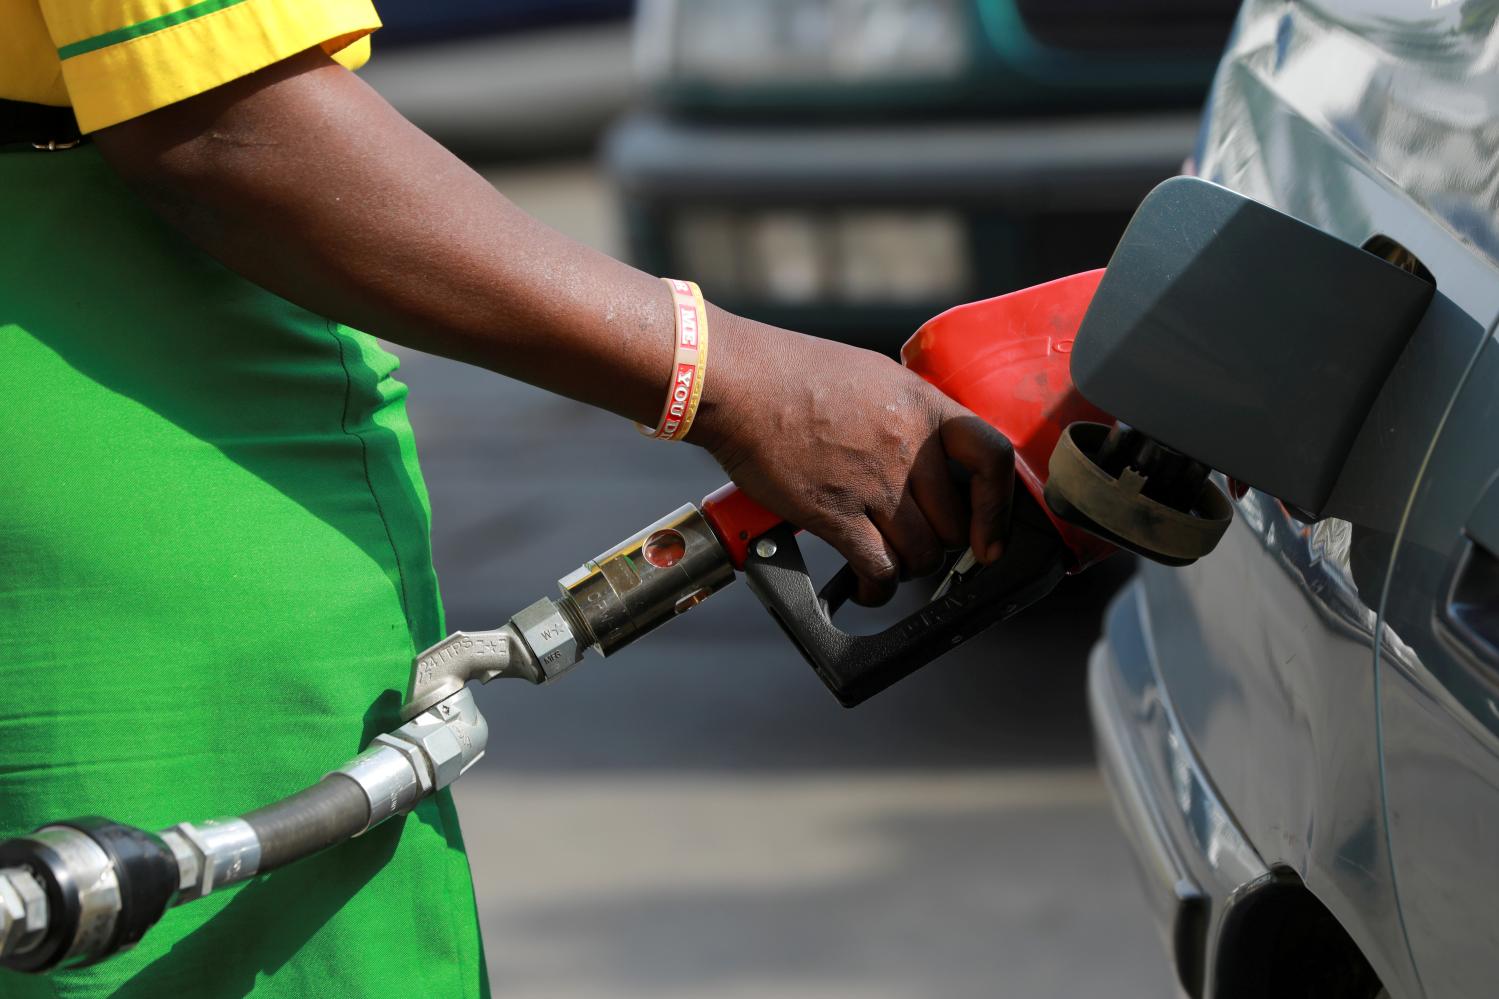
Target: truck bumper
{"points": [[1190, 854]]}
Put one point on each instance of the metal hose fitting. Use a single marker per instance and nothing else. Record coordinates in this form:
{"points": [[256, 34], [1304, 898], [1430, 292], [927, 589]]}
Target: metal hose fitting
{"points": [[78, 891], [646, 580]]}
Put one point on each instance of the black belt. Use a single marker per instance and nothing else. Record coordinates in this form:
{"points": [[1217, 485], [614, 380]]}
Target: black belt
{"points": [[37, 124]]}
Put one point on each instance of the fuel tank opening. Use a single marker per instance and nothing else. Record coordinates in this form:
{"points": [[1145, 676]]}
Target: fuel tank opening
{"points": [[1395, 253], [1136, 492]]}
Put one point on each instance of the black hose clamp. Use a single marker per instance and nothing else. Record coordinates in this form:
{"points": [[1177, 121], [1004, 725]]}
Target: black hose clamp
{"points": [[147, 873], [144, 869]]}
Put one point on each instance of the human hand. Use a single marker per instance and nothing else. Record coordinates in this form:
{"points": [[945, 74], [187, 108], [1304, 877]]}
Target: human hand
{"points": [[853, 447]]}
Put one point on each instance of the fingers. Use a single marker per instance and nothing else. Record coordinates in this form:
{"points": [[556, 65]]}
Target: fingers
{"points": [[906, 530], [942, 502], [986, 453], [872, 559]]}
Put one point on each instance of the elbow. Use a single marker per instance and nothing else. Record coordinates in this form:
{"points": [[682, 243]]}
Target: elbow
{"points": [[173, 173]]}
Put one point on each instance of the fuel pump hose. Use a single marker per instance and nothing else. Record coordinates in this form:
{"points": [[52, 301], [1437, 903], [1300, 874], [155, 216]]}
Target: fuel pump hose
{"points": [[77, 891]]}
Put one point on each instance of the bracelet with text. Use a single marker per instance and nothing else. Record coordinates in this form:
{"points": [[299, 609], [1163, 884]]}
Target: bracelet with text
{"points": [[689, 362]]}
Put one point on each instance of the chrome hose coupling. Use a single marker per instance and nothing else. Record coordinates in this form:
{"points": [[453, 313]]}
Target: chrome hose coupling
{"points": [[424, 755], [606, 603], [646, 580]]}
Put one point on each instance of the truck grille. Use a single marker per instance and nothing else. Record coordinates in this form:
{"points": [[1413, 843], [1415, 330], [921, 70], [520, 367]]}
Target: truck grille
{"points": [[1139, 26]]}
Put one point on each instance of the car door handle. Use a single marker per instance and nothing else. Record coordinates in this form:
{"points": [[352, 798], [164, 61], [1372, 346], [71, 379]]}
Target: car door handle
{"points": [[1470, 605]]}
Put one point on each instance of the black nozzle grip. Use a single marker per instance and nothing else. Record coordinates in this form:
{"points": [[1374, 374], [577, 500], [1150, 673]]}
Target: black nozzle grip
{"points": [[856, 667]]}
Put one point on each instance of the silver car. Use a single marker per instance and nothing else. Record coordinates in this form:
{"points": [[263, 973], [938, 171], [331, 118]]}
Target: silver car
{"points": [[1301, 731]]}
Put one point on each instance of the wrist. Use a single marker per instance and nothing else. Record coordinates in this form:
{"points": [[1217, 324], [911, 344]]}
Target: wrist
{"points": [[736, 341]]}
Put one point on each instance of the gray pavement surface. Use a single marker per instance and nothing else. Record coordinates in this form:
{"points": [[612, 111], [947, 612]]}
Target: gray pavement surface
{"points": [[696, 816]]}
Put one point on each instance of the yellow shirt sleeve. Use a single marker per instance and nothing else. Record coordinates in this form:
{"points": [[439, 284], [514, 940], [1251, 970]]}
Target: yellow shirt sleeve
{"points": [[122, 59]]}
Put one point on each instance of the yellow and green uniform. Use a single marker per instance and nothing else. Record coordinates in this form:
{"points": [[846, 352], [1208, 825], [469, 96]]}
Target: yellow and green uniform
{"points": [[214, 556], [112, 61]]}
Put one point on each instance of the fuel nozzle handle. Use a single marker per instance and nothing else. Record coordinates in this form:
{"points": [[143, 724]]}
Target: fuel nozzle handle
{"points": [[677, 562], [856, 667]]}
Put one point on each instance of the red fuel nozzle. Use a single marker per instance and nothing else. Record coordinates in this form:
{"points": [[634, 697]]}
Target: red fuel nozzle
{"points": [[737, 520], [1006, 359]]}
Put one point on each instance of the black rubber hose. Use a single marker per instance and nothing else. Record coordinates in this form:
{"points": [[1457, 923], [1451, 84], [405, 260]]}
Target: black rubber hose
{"points": [[327, 813]]}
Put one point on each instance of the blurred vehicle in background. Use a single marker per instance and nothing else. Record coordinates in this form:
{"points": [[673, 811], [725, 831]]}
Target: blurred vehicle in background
{"points": [[1302, 731], [501, 79], [417, 22], [852, 167]]}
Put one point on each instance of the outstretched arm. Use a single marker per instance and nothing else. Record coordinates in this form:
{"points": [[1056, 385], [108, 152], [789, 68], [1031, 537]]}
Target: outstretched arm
{"points": [[301, 178]]}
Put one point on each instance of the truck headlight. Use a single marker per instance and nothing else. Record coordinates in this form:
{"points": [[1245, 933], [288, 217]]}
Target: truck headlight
{"points": [[848, 256], [801, 41]]}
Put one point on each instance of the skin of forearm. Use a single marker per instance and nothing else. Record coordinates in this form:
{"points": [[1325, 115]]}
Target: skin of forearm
{"points": [[304, 180]]}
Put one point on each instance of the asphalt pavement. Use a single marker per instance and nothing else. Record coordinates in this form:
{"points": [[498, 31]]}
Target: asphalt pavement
{"points": [[696, 816]]}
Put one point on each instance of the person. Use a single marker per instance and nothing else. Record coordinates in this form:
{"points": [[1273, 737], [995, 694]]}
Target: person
{"points": [[214, 559]]}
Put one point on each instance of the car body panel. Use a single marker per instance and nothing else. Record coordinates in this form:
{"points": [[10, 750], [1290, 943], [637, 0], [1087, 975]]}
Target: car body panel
{"points": [[1189, 849], [1440, 712], [1264, 649], [1366, 119], [1312, 97]]}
